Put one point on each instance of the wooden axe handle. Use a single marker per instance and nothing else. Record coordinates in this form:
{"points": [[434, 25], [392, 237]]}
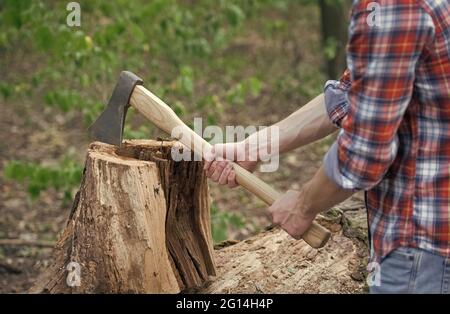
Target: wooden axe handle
{"points": [[165, 119]]}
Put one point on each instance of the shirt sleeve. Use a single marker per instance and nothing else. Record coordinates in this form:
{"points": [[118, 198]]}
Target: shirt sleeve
{"points": [[382, 60], [336, 102]]}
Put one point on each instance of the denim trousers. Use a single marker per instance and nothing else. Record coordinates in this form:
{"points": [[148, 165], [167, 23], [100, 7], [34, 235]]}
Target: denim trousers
{"points": [[412, 270]]}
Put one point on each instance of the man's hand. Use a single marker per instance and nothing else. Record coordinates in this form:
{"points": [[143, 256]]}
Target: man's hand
{"points": [[218, 167], [290, 213], [294, 211]]}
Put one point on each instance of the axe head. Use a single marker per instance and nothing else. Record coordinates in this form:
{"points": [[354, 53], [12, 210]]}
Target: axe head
{"points": [[108, 127]]}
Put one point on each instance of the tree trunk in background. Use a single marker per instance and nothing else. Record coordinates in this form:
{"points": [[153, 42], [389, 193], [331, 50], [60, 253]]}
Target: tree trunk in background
{"points": [[139, 224], [335, 18]]}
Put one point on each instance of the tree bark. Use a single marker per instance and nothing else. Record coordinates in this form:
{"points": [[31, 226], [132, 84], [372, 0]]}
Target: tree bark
{"points": [[139, 224]]}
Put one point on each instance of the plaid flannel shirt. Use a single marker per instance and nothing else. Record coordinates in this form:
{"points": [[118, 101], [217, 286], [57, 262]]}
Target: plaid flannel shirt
{"points": [[393, 107]]}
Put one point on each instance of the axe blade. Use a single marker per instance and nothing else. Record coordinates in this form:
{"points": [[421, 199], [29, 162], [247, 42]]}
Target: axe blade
{"points": [[108, 127]]}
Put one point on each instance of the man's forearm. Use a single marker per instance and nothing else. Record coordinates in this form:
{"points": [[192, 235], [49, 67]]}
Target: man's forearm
{"points": [[304, 126], [321, 193]]}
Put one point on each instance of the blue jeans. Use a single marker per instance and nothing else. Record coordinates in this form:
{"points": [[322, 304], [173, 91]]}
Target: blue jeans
{"points": [[411, 270]]}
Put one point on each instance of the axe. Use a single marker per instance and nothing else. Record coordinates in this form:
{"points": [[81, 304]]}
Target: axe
{"points": [[108, 128]]}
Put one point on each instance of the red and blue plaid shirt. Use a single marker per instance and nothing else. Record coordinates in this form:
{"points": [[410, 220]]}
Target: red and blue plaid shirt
{"points": [[393, 107]]}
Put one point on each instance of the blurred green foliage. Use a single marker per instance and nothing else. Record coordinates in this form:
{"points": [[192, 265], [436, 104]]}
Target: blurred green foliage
{"points": [[176, 46], [62, 177], [223, 221]]}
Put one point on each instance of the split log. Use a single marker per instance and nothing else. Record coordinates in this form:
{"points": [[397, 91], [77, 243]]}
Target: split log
{"points": [[139, 224]]}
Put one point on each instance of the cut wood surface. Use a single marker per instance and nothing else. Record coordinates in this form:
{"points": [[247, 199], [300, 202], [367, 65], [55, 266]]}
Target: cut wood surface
{"points": [[140, 223]]}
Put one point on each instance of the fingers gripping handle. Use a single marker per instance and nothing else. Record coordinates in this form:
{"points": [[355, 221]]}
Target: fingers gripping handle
{"points": [[165, 119], [316, 236]]}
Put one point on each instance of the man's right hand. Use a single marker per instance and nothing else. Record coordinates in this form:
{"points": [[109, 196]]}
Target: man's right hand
{"points": [[217, 162]]}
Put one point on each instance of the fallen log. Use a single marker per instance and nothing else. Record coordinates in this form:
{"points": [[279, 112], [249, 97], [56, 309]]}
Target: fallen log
{"points": [[274, 262], [139, 224]]}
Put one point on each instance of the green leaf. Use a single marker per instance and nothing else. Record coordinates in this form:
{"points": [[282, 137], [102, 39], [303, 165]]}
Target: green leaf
{"points": [[37, 178], [34, 190], [5, 89], [16, 170], [44, 38], [179, 108], [330, 48], [221, 221], [235, 14], [185, 82], [255, 86]]}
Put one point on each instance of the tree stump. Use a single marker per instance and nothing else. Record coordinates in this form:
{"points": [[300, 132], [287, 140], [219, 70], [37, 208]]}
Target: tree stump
{"points": [[140, 223]]}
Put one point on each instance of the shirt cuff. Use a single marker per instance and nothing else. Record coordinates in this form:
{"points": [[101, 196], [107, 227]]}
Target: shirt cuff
{"points": [[336, 101], [331, 166]]}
